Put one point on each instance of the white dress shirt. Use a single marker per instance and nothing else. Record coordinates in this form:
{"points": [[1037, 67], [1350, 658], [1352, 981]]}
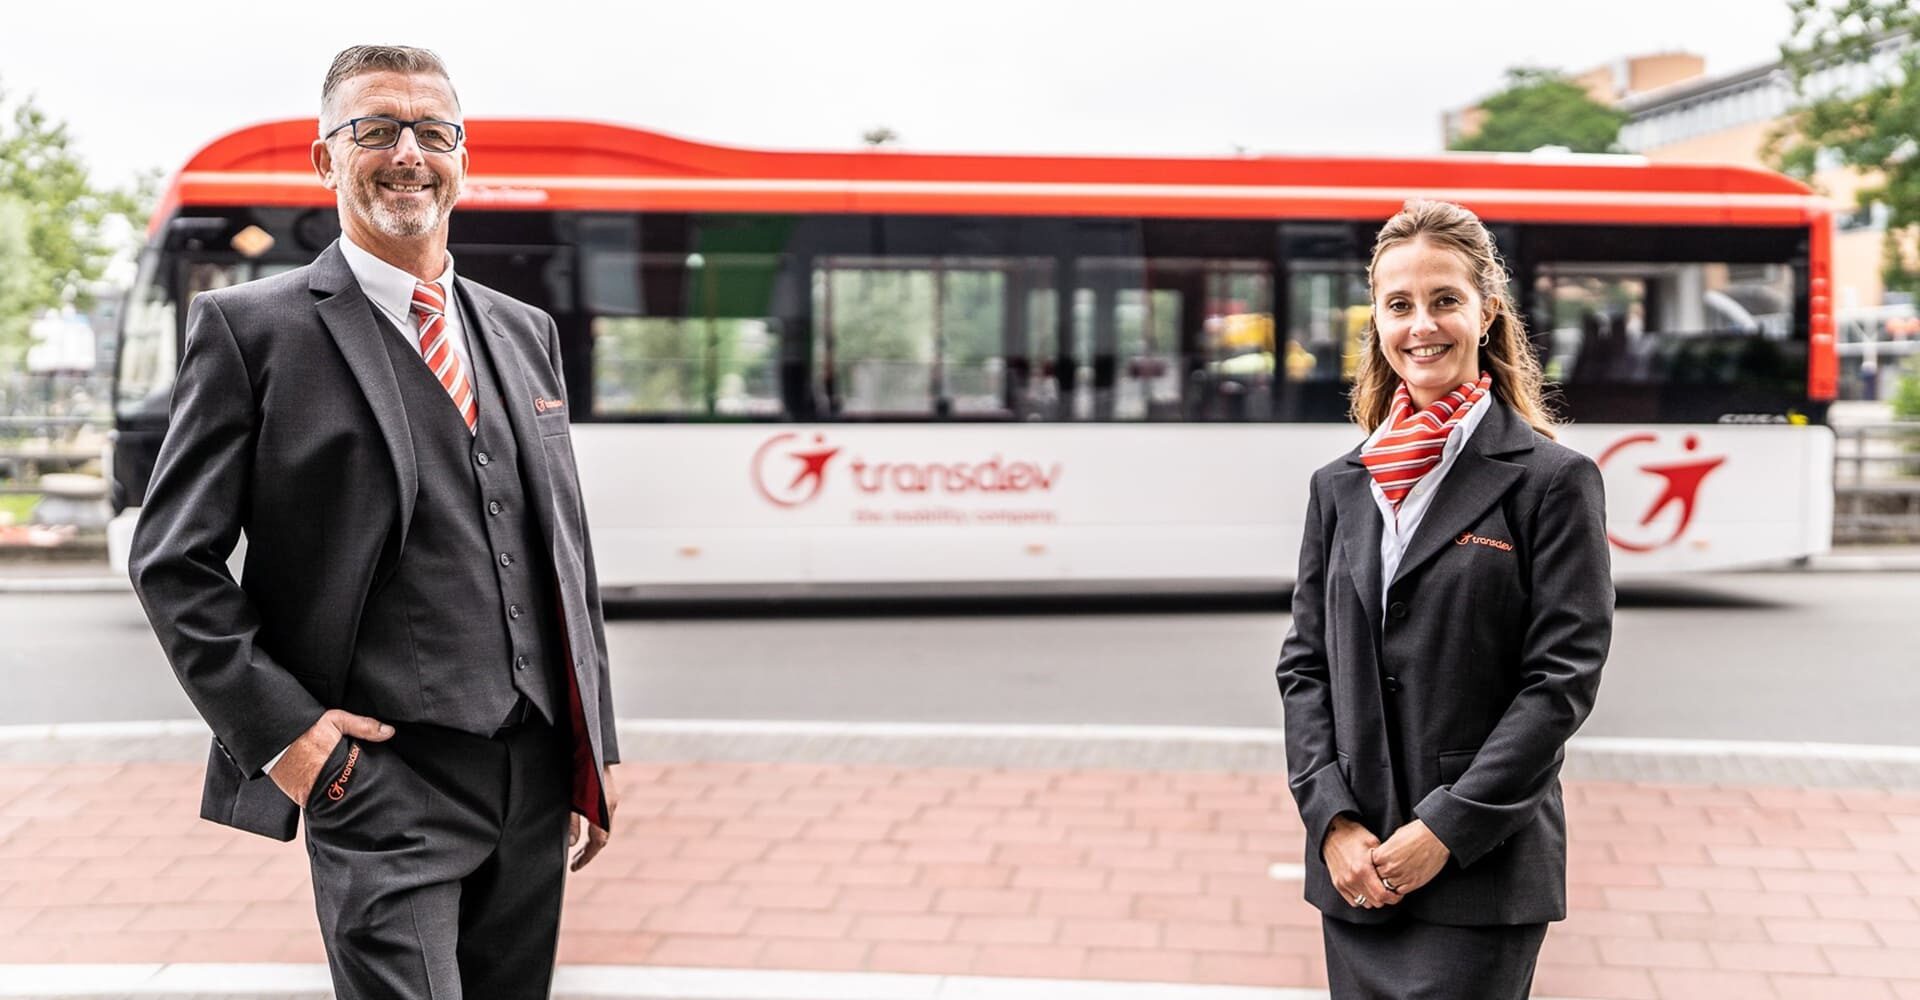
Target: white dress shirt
{"points": [[391, 291], [1397, 529]]}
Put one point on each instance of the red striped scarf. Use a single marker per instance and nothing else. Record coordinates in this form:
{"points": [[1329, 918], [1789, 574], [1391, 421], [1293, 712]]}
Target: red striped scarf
{"points": [[1412, 445]]}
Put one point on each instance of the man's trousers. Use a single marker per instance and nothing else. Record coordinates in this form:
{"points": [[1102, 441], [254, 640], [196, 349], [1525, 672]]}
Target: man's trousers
{"points": [[439, 861]]}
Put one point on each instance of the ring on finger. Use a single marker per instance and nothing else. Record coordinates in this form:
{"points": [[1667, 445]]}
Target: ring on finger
{"points": [[1359, 899], [1390, 886]]}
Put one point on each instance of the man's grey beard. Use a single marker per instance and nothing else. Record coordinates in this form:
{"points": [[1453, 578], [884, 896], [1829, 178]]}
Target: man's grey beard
{"points": [[401, 224]]}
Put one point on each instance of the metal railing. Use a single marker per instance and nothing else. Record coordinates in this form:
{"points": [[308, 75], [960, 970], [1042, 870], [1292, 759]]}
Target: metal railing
{"points": [[34, 446], [1876, 482], [53, 460]]}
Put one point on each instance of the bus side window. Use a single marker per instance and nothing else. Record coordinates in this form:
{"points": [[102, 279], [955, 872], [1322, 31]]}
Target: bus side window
{"points": [[1666, 323], [683, 335]]}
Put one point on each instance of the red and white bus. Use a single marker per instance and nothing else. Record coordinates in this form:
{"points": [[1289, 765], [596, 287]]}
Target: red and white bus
{"points": [[894, 372]]}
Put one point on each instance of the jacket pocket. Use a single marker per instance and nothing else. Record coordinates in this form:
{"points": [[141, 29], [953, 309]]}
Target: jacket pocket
{"points": [[334, 774], [1454, 763]]}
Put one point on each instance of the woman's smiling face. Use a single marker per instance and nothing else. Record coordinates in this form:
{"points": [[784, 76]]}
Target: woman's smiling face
{"points": [[1430, 316]]}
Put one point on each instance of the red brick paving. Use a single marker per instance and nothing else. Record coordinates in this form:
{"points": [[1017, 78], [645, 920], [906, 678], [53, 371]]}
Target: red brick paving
{"points": [[1677, 891]]}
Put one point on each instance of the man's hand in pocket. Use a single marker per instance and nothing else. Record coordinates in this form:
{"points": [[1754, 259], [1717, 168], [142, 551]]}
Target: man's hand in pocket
{"points": [[298, 769]]}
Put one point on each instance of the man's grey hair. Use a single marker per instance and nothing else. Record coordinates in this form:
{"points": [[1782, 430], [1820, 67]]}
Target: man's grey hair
{"points": [[363, 59]]}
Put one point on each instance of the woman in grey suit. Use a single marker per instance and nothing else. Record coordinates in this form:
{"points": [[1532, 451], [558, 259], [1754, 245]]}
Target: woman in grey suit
{"points": [[1450, 617]]}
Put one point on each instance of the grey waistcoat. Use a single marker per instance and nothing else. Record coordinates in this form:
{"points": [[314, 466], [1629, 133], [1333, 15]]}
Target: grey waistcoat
{"points": [[465, 622]]}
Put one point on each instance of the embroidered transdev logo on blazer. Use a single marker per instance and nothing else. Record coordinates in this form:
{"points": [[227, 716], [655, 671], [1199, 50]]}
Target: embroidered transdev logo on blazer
{"points": [[338, 789], [542, 404], [1469, 538]]}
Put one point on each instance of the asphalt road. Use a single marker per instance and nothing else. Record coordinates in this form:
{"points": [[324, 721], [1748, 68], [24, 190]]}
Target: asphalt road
{"points": [[1826, 657]]}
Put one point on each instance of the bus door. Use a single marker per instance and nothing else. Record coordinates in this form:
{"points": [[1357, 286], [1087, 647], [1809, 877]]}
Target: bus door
{"points": [[1169, 339], [934, 338]]}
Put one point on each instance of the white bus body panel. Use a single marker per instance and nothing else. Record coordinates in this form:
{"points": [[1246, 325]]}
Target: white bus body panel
{"points": [[845, 505]]}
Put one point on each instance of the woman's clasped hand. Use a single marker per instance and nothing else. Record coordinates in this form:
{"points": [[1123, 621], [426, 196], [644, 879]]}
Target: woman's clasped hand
{"points": [[1371, 875]]}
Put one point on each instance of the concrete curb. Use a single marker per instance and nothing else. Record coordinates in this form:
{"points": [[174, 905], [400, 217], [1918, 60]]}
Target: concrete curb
{"points": [[1155, 748], [57, 584], [1859, 562]]}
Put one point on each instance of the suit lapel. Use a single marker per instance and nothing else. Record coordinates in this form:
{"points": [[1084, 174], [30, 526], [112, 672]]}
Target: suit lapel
{"points": [[1475, 483], [516, 397], [348, 316], [1359, 517]]}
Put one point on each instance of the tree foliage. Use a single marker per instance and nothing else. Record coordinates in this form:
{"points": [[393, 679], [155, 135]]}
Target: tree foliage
{"points": [[1855, 68], [1906, 394], [55, 223], [1543, 108]]}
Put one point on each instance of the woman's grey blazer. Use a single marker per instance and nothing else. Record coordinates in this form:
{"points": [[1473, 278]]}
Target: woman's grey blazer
{"points": [[1453, 703]]}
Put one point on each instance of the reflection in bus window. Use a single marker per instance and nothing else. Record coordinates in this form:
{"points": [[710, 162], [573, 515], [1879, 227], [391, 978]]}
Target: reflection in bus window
{"points": [[1327, 310], [702, 343], [940, 337], [647, 366], [1172, 339], [1237, 344], [1666, 323]]}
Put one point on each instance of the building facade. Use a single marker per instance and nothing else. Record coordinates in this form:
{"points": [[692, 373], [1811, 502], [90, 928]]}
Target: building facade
{"points": [[1680, 114]]}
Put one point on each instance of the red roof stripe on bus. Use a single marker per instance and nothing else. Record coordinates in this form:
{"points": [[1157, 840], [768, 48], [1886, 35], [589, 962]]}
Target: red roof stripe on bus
{"points": [[725, 195], [564, 149]]}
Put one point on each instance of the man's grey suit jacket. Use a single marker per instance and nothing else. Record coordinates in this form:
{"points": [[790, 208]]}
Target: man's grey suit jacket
{"points": [[1453, 703], [287, 424]]}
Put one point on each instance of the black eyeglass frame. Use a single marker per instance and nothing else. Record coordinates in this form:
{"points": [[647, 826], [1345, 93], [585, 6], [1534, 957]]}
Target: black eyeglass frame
{"points": [[459, 131]]}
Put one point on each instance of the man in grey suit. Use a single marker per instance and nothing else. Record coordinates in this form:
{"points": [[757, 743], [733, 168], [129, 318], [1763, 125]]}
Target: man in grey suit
{"points": [[414, 655]]}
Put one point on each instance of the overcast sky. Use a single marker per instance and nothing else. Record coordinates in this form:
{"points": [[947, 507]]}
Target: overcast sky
{"points": [[144, 84]]}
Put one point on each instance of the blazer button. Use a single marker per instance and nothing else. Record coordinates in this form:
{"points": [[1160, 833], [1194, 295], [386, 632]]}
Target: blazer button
{"points": [[1392, 684], [1397, 609], [481, 457], [506, 559], [513, 611], [493, 507], [519, 663]]}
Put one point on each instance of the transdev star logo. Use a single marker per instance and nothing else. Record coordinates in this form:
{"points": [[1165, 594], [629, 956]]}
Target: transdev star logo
{"points": [[790, 470], [1680, 487]]}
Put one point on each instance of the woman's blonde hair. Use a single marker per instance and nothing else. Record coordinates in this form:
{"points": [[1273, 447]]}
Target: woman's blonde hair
{"points": [[1507, 353]]}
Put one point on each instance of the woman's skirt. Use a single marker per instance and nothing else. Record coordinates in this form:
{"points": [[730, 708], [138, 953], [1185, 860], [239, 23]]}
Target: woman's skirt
{"points": [[1409, 959]]}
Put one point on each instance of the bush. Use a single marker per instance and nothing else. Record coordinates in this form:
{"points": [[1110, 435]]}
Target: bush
{"points": [[1906, 395]]}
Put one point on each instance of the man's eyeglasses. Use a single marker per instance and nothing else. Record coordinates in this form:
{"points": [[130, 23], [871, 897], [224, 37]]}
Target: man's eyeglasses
{"points": [[381, 132]]}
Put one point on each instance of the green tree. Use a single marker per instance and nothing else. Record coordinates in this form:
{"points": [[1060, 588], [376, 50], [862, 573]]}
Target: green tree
{"points": [[18, 277], [1543, 108], [55, 233], [1855, 67], [1906, 394]]}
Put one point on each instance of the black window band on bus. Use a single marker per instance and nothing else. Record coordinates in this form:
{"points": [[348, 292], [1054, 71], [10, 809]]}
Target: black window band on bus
{"points": [[676, 317]]}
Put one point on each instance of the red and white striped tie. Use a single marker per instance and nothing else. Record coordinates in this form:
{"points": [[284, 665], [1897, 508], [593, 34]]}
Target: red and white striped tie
{"points": [[429, 309]]}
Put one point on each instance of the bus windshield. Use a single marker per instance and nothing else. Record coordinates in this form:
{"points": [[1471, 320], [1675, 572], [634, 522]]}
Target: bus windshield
{"points": [[150, 336]]}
